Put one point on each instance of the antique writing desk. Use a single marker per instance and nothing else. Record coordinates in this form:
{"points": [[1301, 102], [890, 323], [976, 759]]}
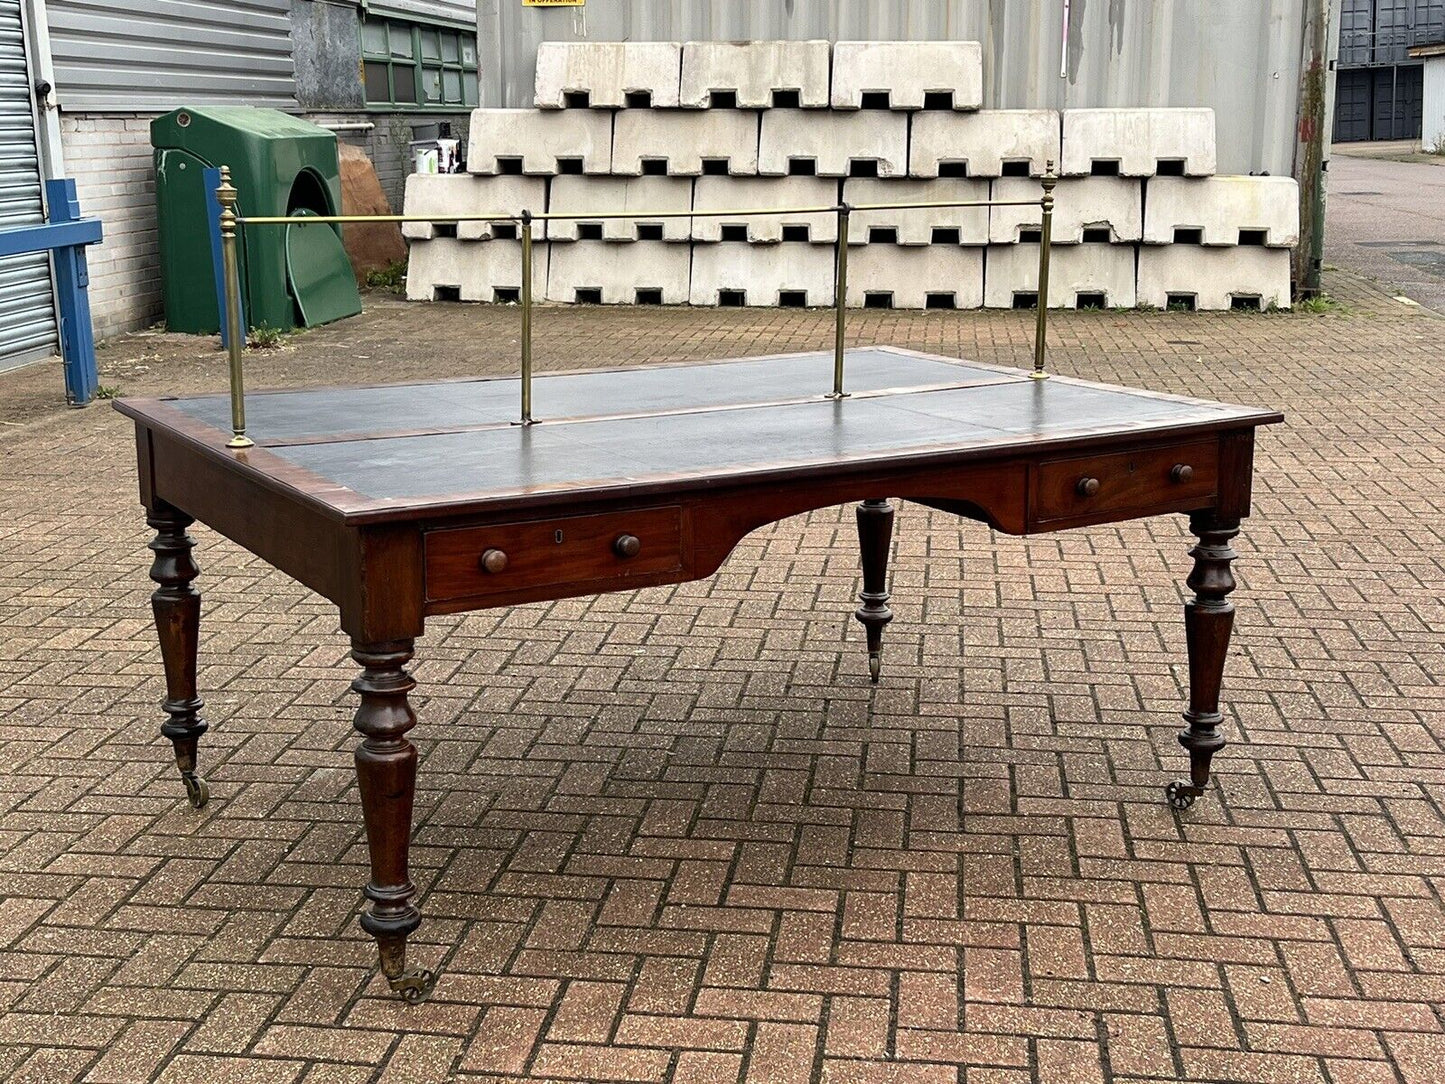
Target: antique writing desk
{"points": [[400, 502]]}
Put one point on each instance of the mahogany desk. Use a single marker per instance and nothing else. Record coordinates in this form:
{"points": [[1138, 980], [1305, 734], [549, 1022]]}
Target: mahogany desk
{"points": [[404, 501]]}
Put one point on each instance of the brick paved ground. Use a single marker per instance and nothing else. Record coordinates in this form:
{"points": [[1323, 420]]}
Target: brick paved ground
{"points": [[675, 836]]}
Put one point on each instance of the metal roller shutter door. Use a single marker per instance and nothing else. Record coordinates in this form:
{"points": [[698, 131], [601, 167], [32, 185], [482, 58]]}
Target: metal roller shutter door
{"points": [[27, 303]]}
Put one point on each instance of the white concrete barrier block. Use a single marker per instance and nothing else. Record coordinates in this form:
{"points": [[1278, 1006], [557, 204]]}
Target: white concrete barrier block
{"points": [[465, 194], [917, 277], [1225, 210], [1139, 142], [611, 74], [832, 142], [1085, 208], [678, 143], [447, 269], [1080, 276], [543, 142], [1214, 278], [910, 73], [614, 194], [786, 274], [925, 225], [597, 272], [754, 71], [983, 143], [747, 193]]}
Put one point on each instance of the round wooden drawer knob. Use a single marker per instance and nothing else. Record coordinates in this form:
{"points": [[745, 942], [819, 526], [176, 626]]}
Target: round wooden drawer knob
{"points": [[1182, 472], [1087, 487], [494, 561], [627, 545]]}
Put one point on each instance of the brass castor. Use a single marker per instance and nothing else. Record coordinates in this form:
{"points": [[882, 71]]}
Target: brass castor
{"points": [[414, 986], [196, 790], [1181, 795], [875, 666]]}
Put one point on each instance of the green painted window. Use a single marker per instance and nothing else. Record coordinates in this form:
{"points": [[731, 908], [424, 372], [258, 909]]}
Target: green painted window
{"points": [[415, 66]]}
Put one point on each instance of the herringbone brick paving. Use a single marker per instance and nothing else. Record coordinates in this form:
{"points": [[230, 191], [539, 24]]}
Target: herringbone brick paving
{"points": [[675, 835]]}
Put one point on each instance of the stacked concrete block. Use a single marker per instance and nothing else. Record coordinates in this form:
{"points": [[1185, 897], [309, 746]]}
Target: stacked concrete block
{"points": [[646, 272], [744, 126], [1224, 210], [1138, 142], [1080, 276], [984, 144], [755, 74], [678, 143], [1110, 207], [615, 194], [445, 269], [833, 144], [539, 142], [608, 74], [744, 194], [1214, 278], [1218, 242], [907, 74], [915, 277], [786, 274], [921, 226], [465, 194]]}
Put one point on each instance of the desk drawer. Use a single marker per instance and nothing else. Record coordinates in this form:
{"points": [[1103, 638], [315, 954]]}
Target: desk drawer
{"points": [[1086, 487], [468, 562]]}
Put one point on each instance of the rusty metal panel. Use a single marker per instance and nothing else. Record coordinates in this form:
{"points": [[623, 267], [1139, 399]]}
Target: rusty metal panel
{"points": [[1242, 57]]}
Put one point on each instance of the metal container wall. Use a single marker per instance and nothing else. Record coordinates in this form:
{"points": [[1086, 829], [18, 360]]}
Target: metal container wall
{"points": [[1242, 57], [145, 55]]}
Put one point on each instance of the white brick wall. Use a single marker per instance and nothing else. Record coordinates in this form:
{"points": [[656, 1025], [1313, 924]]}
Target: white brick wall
{"points": [[110, 159]]}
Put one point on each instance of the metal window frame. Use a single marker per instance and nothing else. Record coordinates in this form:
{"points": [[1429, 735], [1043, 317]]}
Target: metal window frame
{"points": [[419, 66]]}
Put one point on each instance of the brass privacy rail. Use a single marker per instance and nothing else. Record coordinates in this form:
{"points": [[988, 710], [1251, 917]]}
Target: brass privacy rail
{"points": [[227, 196]]}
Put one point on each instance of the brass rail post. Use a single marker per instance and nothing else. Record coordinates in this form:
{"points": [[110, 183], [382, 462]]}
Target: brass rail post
{"points": [[526, 317], [840, 292], [235, 333], [1046, 235]]}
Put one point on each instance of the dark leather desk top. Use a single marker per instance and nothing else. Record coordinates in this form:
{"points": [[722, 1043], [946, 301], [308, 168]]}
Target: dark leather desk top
{"points": [[372, 453]]}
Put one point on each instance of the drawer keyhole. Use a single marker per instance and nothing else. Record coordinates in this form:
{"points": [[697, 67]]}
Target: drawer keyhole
{"points": [[557, 538]]}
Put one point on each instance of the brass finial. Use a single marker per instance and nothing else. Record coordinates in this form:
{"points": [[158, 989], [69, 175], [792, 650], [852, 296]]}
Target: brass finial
{"points": [[226, 197]]}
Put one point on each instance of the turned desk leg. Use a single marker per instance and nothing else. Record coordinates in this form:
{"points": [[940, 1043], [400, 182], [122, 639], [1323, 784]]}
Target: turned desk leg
{"points": [[875, 536], [386, 771], [177, 608], [1208, 620]]}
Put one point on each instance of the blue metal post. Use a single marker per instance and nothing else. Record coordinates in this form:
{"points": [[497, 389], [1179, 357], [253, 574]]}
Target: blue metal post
{"points": [[72, 279], [211, 180]]}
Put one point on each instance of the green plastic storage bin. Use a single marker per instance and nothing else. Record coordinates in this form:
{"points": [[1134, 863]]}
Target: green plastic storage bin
{"points": [[290, 275]]}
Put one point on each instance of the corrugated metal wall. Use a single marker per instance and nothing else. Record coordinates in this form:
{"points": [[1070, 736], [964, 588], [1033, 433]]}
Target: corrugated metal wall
{"points": [[27, 309], [1240, 56], [1433, 135], [461, 12], [146, 55]]}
